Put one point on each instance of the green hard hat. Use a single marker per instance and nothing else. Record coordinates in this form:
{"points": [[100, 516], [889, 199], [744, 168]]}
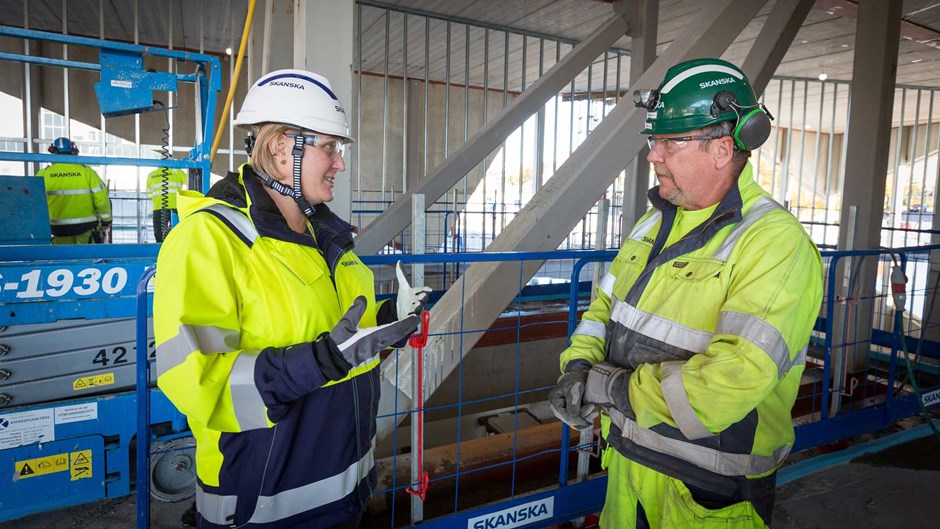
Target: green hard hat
{"points": [[695, 94]]}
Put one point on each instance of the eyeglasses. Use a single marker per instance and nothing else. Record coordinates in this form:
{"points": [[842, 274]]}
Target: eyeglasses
{"points": [[671, 145], [331, 148]]}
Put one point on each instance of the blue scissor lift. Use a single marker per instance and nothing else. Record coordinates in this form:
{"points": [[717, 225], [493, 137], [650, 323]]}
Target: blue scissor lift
{"points": [[68, 420]]}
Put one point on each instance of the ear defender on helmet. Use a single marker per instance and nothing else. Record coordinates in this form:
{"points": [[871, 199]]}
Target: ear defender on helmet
{"points": [[752, 128]]}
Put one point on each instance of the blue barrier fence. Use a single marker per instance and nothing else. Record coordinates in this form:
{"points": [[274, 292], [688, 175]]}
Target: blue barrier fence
{"points": [[869, 390]]}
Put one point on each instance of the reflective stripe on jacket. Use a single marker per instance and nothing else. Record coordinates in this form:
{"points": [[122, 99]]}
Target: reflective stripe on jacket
{"points": [[165, 182], [277, 443], [716, 326], [77, 198]]}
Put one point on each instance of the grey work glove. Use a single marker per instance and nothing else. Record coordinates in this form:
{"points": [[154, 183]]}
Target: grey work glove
{"points": [[353, 346], [409, 300], [608, 386], [566, 400]]}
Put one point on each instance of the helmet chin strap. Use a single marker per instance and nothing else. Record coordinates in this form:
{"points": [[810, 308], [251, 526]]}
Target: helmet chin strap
{"points": [[302, 203]]}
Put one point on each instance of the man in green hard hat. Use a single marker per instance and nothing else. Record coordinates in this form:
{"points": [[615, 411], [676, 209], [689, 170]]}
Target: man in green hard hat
{"points": [[693, 349]]}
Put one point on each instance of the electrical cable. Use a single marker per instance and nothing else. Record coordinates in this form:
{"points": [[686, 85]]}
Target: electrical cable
{"points": [[927, 317], [164, 150], [899, 293]]}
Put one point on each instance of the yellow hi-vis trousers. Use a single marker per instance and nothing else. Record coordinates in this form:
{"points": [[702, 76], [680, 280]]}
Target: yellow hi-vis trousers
{"points": [[667, 502]]}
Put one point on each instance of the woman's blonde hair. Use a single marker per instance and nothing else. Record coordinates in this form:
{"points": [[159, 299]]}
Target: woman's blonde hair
{"points": [[262, 159]]}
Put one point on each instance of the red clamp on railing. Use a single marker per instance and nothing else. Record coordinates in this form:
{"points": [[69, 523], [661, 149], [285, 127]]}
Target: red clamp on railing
{"points": [[418, 341]]}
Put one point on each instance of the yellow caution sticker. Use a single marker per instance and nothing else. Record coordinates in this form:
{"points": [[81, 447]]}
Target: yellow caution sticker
{"points": [[40, 466], [80, 464], [92, 382]]}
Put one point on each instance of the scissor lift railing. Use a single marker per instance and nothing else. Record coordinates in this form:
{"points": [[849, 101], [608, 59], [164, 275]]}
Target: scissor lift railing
{"points": [[43, 283], [126, 88]]}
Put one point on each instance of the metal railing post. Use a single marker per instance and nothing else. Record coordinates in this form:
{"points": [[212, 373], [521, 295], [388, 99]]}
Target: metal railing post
{"points": [[143, 404]]}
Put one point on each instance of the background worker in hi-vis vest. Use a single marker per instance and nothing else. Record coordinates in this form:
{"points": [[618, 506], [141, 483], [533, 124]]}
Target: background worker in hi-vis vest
{"points": [[162, 185], [693, 349], [79, 206]]}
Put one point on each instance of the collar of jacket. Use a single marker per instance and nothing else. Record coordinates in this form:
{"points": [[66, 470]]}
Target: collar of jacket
{"points": [[61, 166], [731, 202], [244, 189], [728, 212]]}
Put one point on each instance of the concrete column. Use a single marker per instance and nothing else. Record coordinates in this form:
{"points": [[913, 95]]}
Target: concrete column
{"points": [[32, 103], [869, 136], [873, 81], [273, 37], [323, 43], [644, 17]]}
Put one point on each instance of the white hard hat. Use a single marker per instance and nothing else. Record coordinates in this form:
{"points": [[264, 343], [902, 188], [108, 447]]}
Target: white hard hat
{"points": [[294, 97]]}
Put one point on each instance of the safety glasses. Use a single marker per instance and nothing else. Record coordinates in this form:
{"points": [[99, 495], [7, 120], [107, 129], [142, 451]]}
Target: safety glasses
{"points": [[671, 145], [331, 148]]}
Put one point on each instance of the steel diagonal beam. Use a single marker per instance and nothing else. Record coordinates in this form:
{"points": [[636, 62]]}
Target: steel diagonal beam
{"points": [[485, 290], [774, 40], [391, 222]]}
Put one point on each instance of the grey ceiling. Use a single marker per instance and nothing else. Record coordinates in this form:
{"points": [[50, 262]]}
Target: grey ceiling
{"points": [[825, 42]]}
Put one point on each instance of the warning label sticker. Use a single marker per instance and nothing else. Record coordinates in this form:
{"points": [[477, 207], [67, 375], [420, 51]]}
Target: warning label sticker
{"points": [[75, 413], [41, 466], [92, 382], [80, 464], [28, 427]]}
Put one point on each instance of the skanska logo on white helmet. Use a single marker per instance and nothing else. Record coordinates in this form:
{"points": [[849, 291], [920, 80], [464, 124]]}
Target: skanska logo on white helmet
{"points": [[294, 97], [288, 84], [281, 79]]}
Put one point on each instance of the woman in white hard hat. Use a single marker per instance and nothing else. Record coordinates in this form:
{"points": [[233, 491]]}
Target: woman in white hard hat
{"points": [[267, 329]]}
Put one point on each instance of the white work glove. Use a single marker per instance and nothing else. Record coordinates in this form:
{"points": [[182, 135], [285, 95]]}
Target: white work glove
{"points": [[360, 345], [409, 301]]}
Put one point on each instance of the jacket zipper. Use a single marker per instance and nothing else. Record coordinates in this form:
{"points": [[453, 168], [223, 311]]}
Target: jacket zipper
{"points": [[353, 384]]}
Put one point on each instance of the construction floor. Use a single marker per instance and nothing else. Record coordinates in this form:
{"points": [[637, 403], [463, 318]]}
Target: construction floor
{"points": [[894, 487]]}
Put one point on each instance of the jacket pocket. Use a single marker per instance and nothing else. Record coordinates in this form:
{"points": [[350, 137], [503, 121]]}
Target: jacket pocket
{"points": [[695, 269], [299, 261], [629, 263], [694, 289], [681, 510]]}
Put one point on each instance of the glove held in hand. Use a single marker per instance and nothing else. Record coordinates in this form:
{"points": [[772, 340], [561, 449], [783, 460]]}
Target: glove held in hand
{"points": [[566, 399], [348, 346], [409, 301]]}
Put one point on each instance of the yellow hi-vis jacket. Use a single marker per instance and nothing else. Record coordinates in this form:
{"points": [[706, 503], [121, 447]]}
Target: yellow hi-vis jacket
{"points": [[277, 443], [78, 199], [715, 324], [166, 183]]}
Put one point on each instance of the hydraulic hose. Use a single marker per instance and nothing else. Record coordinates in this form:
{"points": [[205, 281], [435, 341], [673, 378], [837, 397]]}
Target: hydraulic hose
{"points": [[233, 83]]}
